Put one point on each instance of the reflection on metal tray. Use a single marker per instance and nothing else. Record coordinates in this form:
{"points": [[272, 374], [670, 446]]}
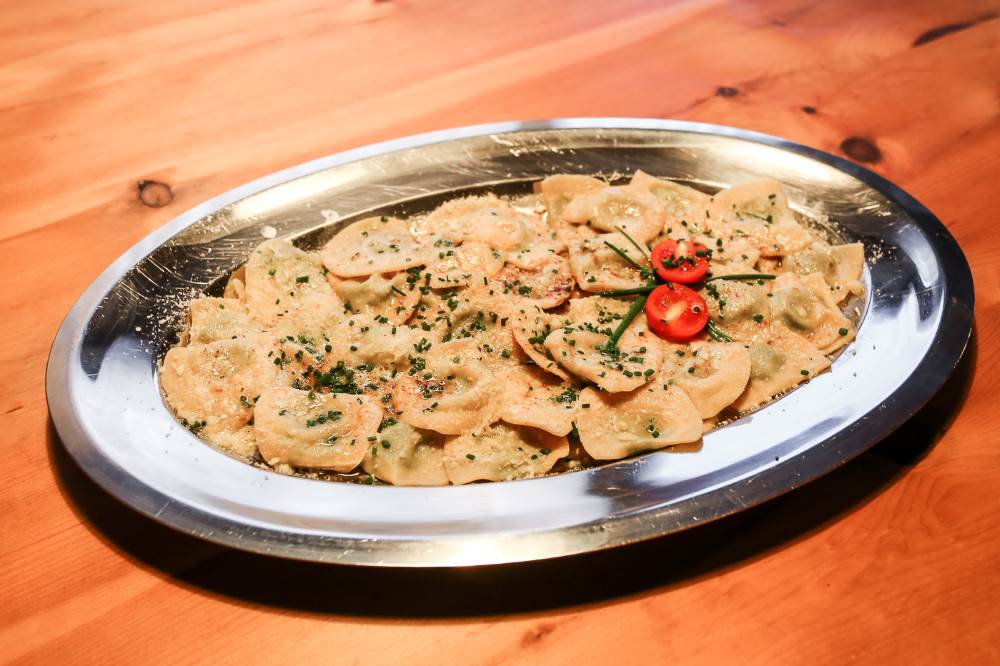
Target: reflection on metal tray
{"points": [[106, 406]]}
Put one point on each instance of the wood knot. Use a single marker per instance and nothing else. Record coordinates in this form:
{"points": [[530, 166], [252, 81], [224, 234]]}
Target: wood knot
{"points": [[949, 28], [154, 194], [536, 634], [811, 110], [726, 91], [861, 149]]}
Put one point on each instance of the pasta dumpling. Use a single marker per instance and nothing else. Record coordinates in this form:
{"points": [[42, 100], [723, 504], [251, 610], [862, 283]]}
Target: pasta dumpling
{"points": [[502, 453], [316, 430], [712, 374], [406, 456], [374, 245], [617, 425], [614, 209], [492, 337]]}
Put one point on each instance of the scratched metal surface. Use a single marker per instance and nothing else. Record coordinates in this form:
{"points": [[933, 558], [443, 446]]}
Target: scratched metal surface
{"points": [[104, 399]]}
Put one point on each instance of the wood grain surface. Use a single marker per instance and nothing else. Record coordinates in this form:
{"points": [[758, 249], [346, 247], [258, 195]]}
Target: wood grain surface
{"points": [[117, 116]]}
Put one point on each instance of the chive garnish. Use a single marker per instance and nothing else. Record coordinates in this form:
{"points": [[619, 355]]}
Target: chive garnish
{"points": [[717, 333], [742, 276], [621, 253]]}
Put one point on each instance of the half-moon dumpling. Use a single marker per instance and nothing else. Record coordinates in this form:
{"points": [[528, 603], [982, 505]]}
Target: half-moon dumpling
{"points": [[449, 397], [615, 208], [502, 453], [779, 362], [597, 267], [559, 190], [406, 456], [393, 298], [529, 399], [373, 245], [805, 306], [314, 430], [617, 425], [214, 319], [712, 374], [547, 285], [486, 219], [212, 388]]}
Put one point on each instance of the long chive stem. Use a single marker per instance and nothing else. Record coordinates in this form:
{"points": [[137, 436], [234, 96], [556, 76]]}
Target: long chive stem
{"points": [[626, 320], [742, 276], [629, 292], [642, 251], [627, 258], [717, 333], [401, 293]]}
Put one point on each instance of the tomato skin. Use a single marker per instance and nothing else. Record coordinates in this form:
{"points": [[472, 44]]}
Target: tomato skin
{"points": [[676, 312], [674, 263]]}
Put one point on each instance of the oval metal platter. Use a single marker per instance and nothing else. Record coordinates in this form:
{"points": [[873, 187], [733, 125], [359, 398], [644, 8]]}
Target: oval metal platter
{"points": [[102, 373]]}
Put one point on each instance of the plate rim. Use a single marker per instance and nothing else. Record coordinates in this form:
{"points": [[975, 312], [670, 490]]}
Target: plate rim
{"points": [[957, 311]]}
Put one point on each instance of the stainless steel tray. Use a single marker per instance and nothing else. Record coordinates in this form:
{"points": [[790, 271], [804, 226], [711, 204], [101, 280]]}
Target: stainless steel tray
{"points": [[104, 400]]}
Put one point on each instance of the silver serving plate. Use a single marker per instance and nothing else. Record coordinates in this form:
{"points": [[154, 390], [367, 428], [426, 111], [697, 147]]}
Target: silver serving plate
{"points": [[104, 400]]}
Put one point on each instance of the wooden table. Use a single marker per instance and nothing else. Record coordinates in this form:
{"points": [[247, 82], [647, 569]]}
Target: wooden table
{"points": [[116, 117]]}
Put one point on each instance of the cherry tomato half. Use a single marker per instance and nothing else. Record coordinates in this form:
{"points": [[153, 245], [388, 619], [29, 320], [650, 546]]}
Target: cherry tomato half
{"points": [[676, 312], [684, 262]]}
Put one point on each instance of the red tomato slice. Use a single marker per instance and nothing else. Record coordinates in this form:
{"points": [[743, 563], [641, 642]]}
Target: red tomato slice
{"points": [[676, 312], [684, 262]]}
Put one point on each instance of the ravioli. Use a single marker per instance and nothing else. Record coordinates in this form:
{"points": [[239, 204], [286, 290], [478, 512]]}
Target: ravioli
{"points": [[474, 342], [617, 425], [840, 266], [530, 329], [684, 207], [581, 347], [597, 267], [559, 190], [406, 456], [711, 374], [394, 298], [485, 219], [236, 286], [451, 398], [374, 245], [315, 430], [212, 389], [805, 306], [459, 266], [214, 319], [760, 210], [502, 453], [548, 284], [615, 209], [530, 399], [284, 283], [779, 361]]}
